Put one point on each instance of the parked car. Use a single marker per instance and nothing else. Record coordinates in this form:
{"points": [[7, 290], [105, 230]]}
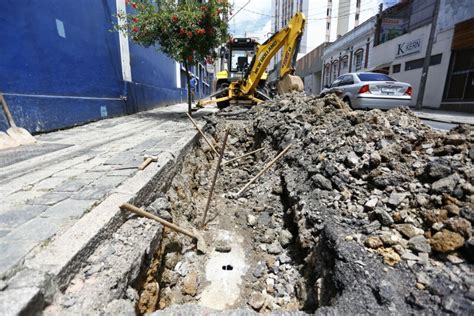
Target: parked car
{"points": [[370, 90]]}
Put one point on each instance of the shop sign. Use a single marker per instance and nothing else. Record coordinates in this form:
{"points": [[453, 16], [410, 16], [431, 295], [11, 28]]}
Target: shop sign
{"points": [[408, 48]]}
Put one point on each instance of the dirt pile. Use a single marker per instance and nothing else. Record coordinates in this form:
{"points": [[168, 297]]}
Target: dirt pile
{"points": [[385, 182], [369, 212]]}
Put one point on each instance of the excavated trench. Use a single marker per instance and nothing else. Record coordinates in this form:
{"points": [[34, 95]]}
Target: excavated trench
{"points": [[256, 258], [340, 225]]}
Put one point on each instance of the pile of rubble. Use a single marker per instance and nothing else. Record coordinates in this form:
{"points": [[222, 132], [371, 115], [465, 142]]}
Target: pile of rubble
{"points": [[385, 181], [369, 212]]}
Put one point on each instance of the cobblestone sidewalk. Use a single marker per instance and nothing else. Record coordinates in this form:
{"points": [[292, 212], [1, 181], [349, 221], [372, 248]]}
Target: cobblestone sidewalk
{"points": [[49, 186]]}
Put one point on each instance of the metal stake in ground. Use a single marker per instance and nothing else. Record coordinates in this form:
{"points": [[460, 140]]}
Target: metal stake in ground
{"points": [[202, 134], [263, 170], [218, 166]]}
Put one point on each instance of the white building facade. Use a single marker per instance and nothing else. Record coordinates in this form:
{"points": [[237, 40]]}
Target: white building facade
{"points": [[395, 42], [326, 19]]}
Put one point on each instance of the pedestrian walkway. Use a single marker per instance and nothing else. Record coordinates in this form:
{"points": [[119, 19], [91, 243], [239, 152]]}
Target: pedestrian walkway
{"points": [[48, 187], [445, 116]]}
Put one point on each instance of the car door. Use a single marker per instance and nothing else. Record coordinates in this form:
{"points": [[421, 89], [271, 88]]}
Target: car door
{"points": [[348, 86]]}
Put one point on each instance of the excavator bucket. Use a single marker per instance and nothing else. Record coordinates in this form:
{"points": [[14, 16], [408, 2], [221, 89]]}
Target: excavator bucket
{"points": [[290, 83]]}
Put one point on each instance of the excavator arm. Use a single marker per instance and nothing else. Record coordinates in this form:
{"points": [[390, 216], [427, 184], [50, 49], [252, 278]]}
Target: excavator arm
{"points": [[289, 38]]}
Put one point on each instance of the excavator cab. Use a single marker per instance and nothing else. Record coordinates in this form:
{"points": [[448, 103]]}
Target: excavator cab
{"points": [[238, 54], [241, 52]]}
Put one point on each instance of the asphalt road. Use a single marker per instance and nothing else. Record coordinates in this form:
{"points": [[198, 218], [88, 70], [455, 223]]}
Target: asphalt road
{"points": [[439, 125]]}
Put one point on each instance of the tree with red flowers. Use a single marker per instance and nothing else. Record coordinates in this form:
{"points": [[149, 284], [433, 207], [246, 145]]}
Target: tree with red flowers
{"points": [[185, 30]]}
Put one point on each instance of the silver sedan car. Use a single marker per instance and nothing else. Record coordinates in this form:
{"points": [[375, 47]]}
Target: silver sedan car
{"points": [[370, 90]]}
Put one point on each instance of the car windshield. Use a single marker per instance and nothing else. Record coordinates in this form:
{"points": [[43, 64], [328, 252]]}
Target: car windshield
{"points": [[374, 77]]}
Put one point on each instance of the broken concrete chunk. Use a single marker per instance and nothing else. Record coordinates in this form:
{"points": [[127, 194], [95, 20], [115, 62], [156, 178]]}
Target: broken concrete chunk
{"points": [[390, 257], [445, 185], [408, 230], [419, 244], [373, 242], [446, 241], [190, 284], [352, 160], [322, 182], [397, 198], [285, 237], [371, 203], [251, 220], [256, 301]]}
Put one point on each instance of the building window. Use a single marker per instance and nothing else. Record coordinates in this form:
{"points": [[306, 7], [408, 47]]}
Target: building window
{"points": [[328, 25], [335, 65], [357, 16], [460, 81], [358, 4], [327, 14], [345, 64], [396, 68], [358, 59], [327, 72], [418, 63]]}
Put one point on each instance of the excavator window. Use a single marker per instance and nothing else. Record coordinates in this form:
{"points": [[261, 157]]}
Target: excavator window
{"points": [[240, 59], [242, 63]]}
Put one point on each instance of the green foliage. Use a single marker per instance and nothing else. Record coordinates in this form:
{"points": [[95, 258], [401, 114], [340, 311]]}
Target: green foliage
{"points": [[185, 30]]}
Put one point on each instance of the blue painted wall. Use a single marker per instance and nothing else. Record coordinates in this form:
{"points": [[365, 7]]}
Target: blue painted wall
{"points": [[51, 82]]}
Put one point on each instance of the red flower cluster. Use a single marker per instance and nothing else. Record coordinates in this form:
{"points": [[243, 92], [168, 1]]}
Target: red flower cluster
{"points": [[189, 34], [135, 29], [174, 18], [200, 31], [135, 20]]}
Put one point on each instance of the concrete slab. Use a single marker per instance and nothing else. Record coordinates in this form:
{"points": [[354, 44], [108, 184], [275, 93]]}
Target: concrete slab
{"points": [[49, 198], [24, 301], [49, 184], [224, 287], [18, 215], [30, 232], [69, 209], [12, 254], [72, 185], [80, 238]]}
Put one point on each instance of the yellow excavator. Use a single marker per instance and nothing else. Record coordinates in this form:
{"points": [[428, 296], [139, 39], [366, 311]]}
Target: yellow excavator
{"points": [[247, 82]]}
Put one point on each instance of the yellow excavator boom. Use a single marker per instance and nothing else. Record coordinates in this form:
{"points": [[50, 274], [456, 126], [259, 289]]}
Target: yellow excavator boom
{"points": [[246, 87], [287, 37]]}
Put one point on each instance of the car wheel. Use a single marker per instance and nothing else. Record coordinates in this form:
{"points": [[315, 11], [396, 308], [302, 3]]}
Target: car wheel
{"points": [[347, 101]]}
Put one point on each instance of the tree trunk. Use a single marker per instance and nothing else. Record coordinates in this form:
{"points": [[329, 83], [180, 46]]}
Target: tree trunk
{"points": [[188, 82]]}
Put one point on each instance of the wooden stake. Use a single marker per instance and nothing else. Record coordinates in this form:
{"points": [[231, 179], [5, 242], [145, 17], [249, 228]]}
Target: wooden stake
{"points": [[216, 172], [243, 156], [201, 243], [271, 163], [202, 134], [141, 212]]}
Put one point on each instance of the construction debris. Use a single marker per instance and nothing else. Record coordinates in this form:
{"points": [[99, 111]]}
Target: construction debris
{"points": [[370, 211]]}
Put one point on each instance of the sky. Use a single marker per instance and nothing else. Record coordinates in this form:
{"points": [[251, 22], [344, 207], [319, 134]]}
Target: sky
{"points": [[254, 20]]}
